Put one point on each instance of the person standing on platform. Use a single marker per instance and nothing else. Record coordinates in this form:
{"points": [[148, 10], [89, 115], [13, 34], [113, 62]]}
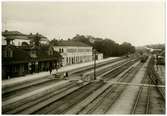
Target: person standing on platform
{"points": [[66, 75], [50, 68]]}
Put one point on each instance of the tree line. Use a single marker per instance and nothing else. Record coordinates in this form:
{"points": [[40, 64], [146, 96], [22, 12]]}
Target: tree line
{"points": [[108, 47]]}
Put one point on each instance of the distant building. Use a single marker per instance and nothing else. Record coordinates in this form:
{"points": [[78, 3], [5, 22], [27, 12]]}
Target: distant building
{"points": [[74, 52], [19, 39], [99, 56]]}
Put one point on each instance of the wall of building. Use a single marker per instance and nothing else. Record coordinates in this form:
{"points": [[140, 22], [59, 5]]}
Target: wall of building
{"points": [[4, 41], [44, 42], [18, 42], [99, 56], [74, 55]]}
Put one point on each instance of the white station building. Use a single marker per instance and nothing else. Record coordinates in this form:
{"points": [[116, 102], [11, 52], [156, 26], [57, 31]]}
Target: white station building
{"points": [[74, 52]]}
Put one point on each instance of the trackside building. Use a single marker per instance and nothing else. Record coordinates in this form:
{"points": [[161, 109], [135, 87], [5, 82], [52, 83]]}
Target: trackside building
{"points": [[74, 52]]}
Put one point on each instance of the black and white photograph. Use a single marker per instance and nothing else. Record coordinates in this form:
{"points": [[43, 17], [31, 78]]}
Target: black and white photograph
{"points": [[83, 57]]}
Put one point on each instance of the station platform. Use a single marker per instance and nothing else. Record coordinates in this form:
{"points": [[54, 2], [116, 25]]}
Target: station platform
{"points": [[39, 75], [136, 84]]}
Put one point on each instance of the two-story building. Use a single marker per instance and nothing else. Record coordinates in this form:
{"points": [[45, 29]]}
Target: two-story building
{"points": [[22, 60], [73, 52]]}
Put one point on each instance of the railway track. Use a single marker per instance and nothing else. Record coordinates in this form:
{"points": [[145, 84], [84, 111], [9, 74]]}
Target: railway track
{"points": [[30, 87], [67, 101], [142, 102], [102, 103], [117, 70], [14, 90], [9, 90], [90, 67], [146, 96], [102, 100], [17, 90], [47, 98], [110, 69], [54, 99]]}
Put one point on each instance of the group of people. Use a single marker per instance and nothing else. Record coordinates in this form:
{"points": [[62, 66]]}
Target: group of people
{"points": [[51, 68]]}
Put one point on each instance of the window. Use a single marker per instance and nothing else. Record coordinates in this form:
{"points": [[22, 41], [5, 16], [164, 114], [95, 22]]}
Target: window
{"points": [[8, 52], [14, 68], [33, 54], [67, 59], [19, 44], [60, 50]]}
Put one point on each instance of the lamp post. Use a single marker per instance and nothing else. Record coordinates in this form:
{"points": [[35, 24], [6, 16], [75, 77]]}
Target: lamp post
{"points": [[92, 41], [35, 39], [94, 54]]}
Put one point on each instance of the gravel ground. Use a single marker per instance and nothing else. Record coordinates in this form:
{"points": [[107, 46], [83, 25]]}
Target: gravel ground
{"points": [[125, 102], [157, 104]]}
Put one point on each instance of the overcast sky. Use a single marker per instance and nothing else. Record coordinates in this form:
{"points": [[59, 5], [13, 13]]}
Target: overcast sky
{"points": [[139, 23]]}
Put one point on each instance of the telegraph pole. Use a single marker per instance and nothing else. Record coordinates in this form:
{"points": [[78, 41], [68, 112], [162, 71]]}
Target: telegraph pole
{"points": [[94, 52]]}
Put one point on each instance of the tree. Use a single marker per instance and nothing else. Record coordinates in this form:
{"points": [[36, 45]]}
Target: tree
{"points": [[35, 40], [106, 46], [126, 48], [82, 38], [53, 42]]}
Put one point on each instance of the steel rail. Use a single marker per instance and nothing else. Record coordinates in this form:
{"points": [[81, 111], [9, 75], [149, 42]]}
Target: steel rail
{"points": [[148, 101], [104, 95], [34, 102], [136, 101]]}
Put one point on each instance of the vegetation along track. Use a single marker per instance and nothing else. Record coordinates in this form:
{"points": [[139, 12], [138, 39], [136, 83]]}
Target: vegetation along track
{"points": [[154, 78]]}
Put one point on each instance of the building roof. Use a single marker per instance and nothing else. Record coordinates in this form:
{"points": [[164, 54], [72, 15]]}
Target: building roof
{"points": [[43, 38], [72, 43], [12, 33], [19, 35]]}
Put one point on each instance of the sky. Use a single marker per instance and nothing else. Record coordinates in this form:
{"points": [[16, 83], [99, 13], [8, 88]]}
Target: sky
{"points": [[137, 22]]}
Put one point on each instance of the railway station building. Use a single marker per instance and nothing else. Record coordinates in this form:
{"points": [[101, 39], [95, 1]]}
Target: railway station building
{"points": [[73, 52]]}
